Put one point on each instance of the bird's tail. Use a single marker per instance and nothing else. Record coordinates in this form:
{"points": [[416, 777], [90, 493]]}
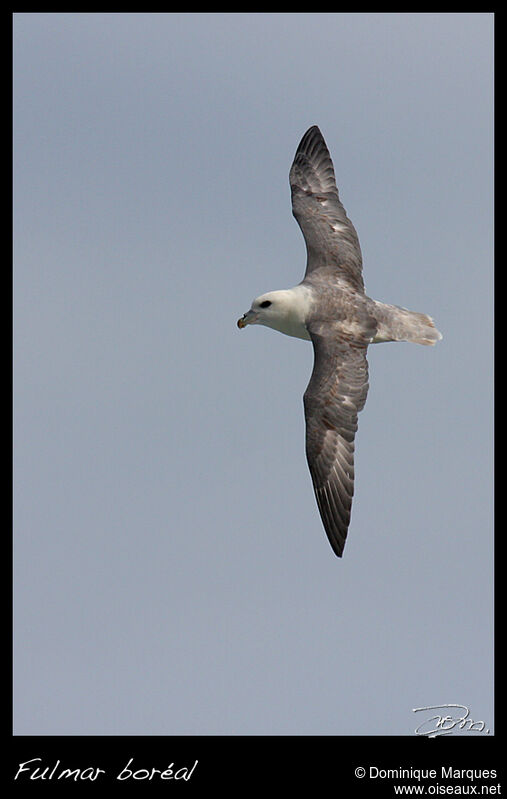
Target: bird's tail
{"points": [[399, 324]]}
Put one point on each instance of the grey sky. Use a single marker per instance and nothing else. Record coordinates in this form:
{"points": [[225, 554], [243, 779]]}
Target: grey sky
{"points": [[172, 576]]}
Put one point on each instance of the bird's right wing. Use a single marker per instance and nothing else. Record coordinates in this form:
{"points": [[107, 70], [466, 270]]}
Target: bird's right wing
{"points": [[336, 393]]}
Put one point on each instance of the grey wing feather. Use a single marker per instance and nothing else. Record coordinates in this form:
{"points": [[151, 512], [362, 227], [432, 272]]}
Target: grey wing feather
{"points": [[331, 239], [336, 393]]}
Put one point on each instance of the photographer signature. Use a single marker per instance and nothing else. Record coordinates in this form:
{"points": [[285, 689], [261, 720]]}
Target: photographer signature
{"points": [[447, 724]]}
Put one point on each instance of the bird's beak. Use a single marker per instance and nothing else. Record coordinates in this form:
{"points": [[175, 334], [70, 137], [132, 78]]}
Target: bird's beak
{"points": [[248, 318]]}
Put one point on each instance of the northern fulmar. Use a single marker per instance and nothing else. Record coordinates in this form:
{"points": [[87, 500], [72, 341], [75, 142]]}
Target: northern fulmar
{"points": [[330, 308]]}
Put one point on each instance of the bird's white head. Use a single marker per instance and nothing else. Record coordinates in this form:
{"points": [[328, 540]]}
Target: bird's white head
{"points": [[283, 310]]}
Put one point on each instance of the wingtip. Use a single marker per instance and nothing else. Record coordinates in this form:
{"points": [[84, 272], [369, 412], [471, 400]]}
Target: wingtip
{"points": [[313, 132], [338, 548]]}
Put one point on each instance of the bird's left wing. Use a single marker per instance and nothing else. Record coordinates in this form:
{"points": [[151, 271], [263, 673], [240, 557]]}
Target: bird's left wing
{"points": [[335, 394], [331, 239]]}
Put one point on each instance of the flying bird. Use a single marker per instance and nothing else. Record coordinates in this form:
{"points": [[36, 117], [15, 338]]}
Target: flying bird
{"points": [[330, 308]]}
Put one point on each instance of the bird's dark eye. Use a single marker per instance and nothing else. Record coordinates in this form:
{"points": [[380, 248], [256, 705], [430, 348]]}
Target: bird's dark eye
{"points": [[265, 304]]}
